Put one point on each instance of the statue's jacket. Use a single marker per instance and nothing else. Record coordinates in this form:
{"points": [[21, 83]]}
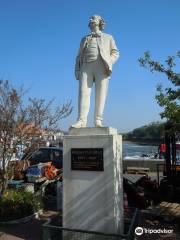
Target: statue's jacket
{"points": [[107, 49]]}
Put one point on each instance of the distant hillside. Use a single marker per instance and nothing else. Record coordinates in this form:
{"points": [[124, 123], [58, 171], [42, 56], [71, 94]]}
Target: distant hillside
{"points": [[149, 133]]}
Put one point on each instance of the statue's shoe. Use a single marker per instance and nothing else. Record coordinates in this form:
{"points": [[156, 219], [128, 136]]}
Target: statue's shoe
{"points": [[98, 123], [79, 124]]}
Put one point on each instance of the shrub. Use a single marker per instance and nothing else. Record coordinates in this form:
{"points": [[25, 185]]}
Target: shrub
{"points": [[15, 204]]}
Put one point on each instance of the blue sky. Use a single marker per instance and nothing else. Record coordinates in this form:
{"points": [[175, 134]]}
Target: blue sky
{"points": [[40, 39]]}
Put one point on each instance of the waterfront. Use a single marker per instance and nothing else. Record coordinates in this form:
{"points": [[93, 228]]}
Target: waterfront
{"points": [[135, 150]]}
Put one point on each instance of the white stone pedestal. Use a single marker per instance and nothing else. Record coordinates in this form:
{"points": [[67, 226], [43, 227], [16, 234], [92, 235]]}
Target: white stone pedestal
{"points": [[93, 200]]}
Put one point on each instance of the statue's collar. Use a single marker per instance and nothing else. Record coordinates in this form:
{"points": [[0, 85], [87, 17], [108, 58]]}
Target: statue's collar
{"points": [[96, 34]]}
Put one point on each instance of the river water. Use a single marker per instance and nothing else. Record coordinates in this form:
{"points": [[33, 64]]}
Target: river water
{"points": [[131, 149]]}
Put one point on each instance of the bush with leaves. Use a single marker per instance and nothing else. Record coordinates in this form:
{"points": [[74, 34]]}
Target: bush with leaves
{"points": [[15, 204]]}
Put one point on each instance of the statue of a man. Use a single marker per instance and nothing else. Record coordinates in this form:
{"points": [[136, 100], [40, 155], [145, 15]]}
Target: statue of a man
{"points": [[97, 54]]}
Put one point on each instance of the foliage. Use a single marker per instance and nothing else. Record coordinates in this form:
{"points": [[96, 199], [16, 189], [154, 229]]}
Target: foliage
{"points": [[15, 204], [169, 97], [152, 131], [20, 124]]}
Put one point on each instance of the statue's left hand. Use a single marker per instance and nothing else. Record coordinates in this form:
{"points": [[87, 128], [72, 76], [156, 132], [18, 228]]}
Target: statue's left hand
{"points": [[107, 72]]}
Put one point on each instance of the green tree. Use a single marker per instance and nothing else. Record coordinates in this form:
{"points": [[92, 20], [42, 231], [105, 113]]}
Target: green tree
{"points": [[152, 131], [168, 98]]}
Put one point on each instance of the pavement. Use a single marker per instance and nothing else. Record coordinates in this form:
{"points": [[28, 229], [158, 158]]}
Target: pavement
{"points": [[31, 230], [153, 227]]}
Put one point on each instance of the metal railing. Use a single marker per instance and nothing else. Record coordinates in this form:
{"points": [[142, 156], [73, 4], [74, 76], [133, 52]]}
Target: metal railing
{"points": [[51, 232]]}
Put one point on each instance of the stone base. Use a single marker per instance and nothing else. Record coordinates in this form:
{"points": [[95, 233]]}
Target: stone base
{"points": [[93, 200]]}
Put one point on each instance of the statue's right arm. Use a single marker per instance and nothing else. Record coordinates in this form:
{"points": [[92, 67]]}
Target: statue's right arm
{"points": [[77, 67], [78, 59]]}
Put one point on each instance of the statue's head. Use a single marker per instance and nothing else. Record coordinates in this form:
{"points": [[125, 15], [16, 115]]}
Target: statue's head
{"points": [[96, 19]]}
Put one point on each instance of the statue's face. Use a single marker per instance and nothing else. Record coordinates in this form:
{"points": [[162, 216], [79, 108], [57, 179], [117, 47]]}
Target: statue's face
{"points": [[94, 22]]}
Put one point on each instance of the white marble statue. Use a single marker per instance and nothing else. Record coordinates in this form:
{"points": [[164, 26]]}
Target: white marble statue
{"points": [[97, 54]]}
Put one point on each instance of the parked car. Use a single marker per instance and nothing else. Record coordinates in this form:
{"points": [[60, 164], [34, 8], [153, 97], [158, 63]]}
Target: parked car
{"points": [[46, 154]]}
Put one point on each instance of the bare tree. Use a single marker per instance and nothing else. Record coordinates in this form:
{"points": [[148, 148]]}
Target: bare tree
{"points": [[10, 111], [44, 115], [19, 123]]}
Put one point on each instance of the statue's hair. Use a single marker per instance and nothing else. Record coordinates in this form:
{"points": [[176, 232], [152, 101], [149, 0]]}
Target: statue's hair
{"points": [[101, 21]]}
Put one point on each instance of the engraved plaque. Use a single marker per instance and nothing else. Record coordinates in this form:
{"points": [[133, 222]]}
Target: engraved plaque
{"points": [[87, 159]]}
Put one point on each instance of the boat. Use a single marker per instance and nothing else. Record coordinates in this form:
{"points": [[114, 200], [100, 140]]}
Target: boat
{"points": [[142, 156]]}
